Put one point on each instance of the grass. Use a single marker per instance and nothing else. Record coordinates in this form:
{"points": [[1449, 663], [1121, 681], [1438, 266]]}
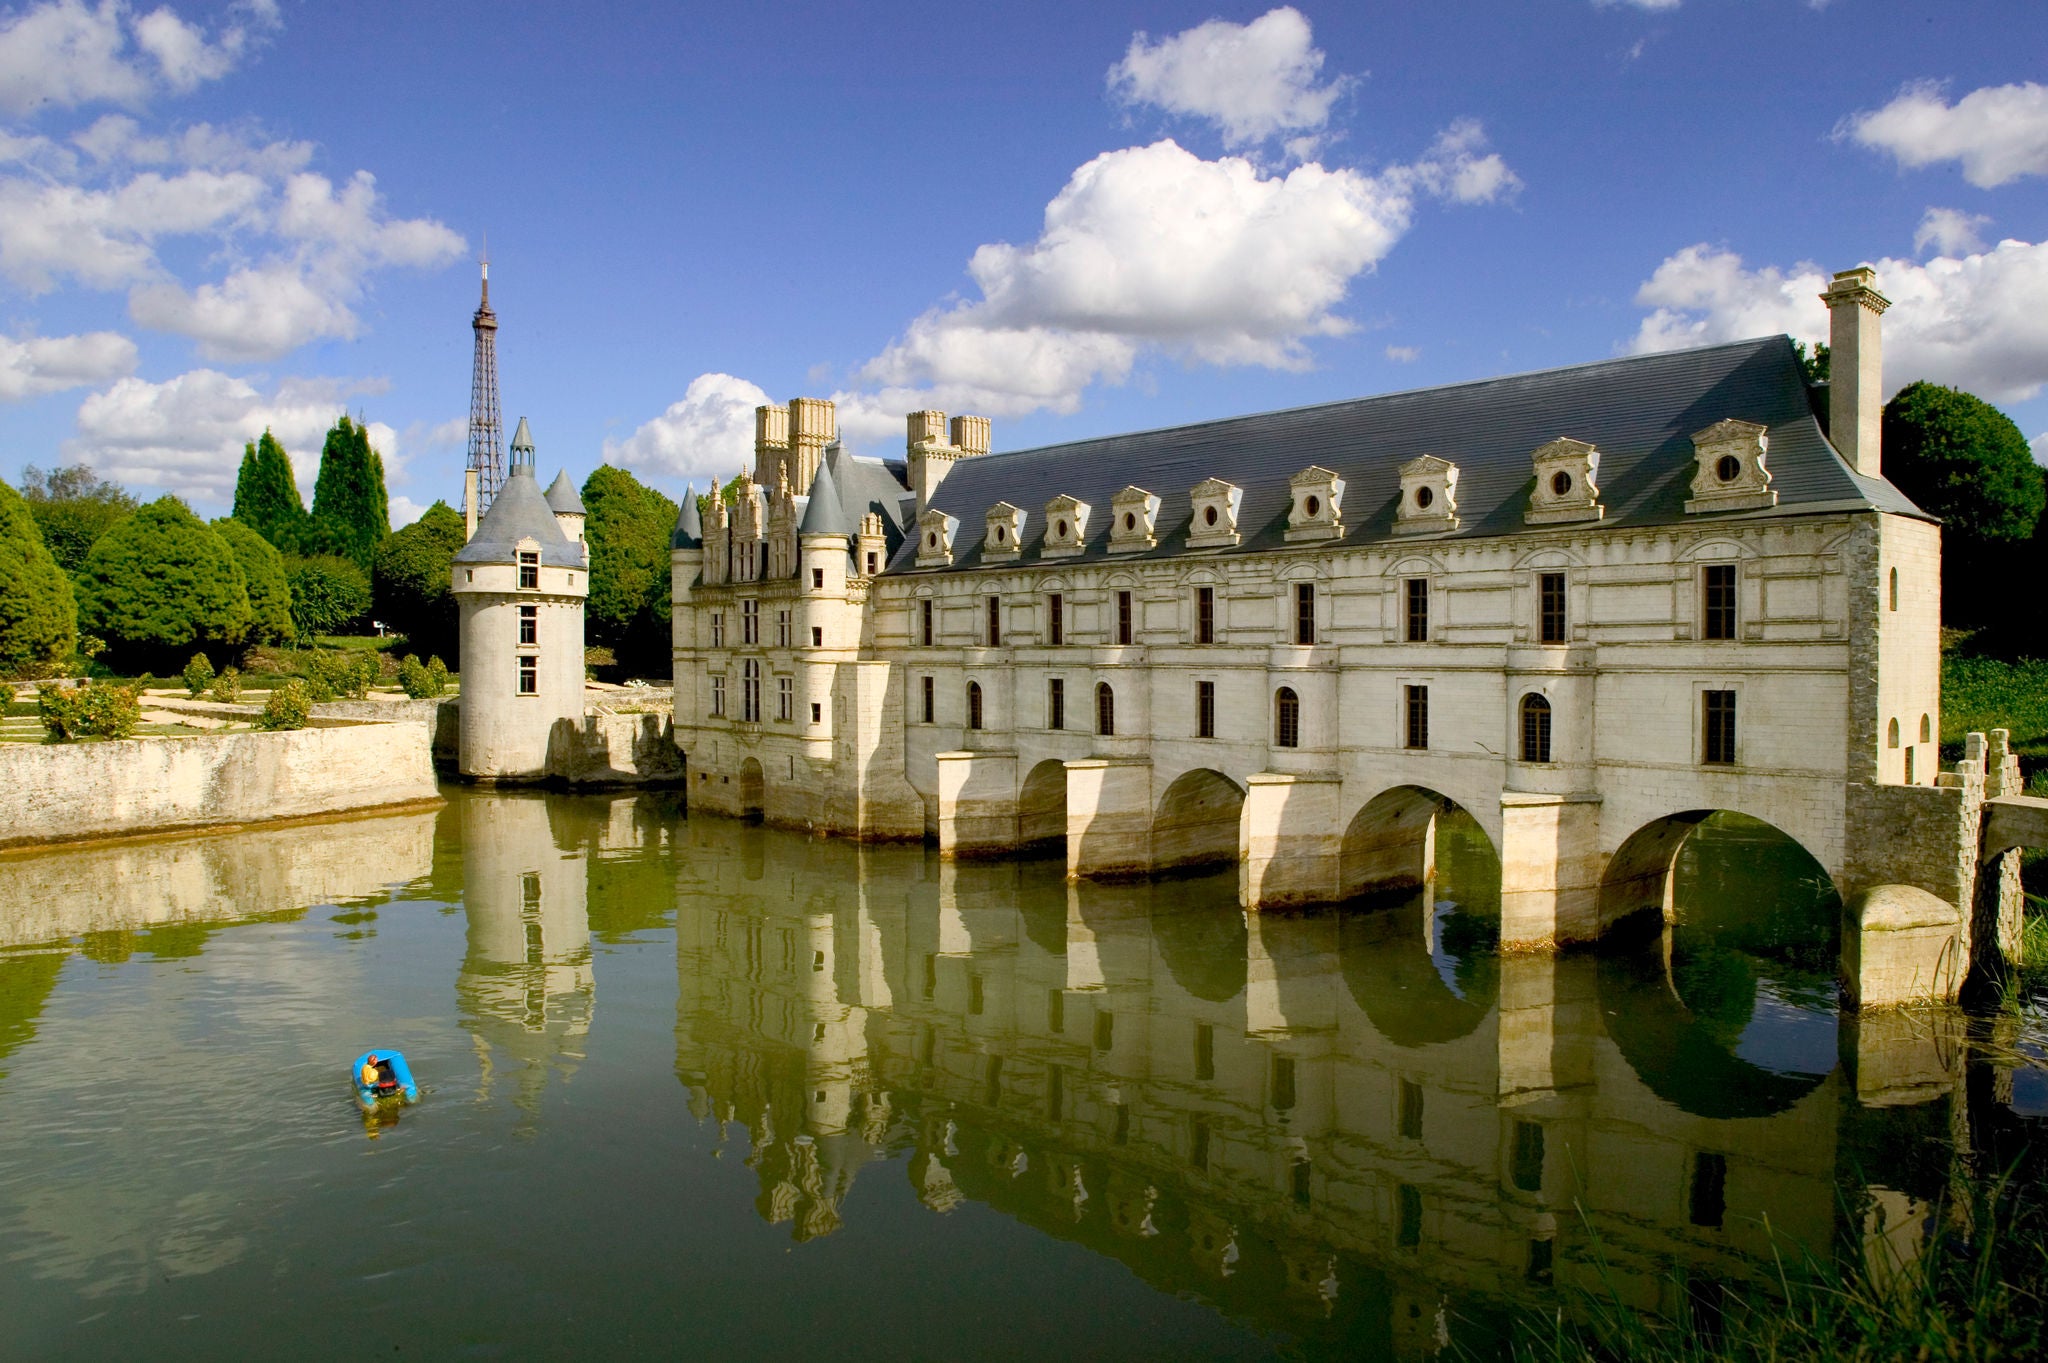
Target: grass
{"points": [[1969, 1294], [1981, 694]]}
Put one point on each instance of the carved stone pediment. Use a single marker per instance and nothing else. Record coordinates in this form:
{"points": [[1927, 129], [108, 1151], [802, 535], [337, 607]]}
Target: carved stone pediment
{"points": [[1132, 513], [1317, 509], [1429, 496], [1566, 487], [1729, 472], [1004, 536], [1214, 524], [935, 538], [1066, 527]]}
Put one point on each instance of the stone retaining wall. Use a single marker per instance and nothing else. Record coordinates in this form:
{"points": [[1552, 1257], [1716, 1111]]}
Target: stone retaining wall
{"points": [[51, 792]]}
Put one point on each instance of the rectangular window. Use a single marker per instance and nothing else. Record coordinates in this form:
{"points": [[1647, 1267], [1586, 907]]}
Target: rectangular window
{"points": [[1205, 709], [977, 998], [1410, 1114], [1709, 1189], [1418, 717], [782, 629], [1205, 1051], [718, 697], [1550, 607], [1527, 1169], [929, 706], [817, 636], [718, 629], [1283, 1083], [750, 691], [1717, 607], [1299, 1179], [1205, 615], [931, 984], [1718, 726], [925, 621], [995, 622], [1105, 1030], [1056, 619], [1123, 617], [1056, 703], [529, 571], [817, 579], [1408, 1232], [993, 1093], [1055, 1092], [785, 698], [750, 622], [529, 676], [1056, 1011], [872, 564], [1417, 610], [1304, 612], [817, 712], [1198, 1143], [529, 624]]}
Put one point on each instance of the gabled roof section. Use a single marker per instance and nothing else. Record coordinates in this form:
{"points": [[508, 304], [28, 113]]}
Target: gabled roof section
{"points": [[563, 498], [520, 512], [1640, 411], [689, 531]]}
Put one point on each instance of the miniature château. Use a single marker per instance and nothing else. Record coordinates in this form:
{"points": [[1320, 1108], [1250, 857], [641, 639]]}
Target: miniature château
{"points": [[520, 585], [1589, 605]]}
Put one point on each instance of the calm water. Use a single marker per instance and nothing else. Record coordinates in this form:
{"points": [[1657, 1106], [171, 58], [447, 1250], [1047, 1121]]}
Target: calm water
{"points": [[697, 1086]]}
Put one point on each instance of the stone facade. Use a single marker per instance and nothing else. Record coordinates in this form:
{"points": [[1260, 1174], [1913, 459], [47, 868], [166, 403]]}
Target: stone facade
{"points": [[1588, 669]]}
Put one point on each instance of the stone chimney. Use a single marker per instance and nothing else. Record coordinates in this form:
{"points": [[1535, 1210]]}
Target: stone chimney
{"points": [[931, 455], [771, 440], [813, 423], [1856, 368]]}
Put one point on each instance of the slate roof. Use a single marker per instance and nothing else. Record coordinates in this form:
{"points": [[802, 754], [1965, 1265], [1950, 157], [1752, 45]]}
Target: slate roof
{"points": [[823, 512], [689, 531], [518, 512], [563, 498], [1641, 412]]}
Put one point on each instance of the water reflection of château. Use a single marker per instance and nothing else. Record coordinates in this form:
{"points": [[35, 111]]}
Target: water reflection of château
{"points": [[1308, 1120]]}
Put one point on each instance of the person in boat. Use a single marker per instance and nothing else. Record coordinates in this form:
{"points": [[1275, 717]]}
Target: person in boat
{"points": [[376, 1074]]}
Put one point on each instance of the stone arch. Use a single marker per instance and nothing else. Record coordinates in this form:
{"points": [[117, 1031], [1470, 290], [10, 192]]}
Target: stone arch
{"points": [[1637, 893], [1042, 808], [1197, 822], [753, 789], [1390, 844]]}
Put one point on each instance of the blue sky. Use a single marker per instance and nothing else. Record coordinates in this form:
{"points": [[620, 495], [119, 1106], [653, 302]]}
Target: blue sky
{"points": [[1075, 218]]}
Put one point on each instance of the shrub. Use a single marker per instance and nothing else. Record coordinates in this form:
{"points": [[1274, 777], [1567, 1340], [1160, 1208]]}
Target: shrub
{"points": [[198, 675], [227, 687], [331, 673], [437, 676], [161, 583], [58, 707], [270, 594], [422, 681], [98, 709], [289, 706], [327, 593], [38, 616]]}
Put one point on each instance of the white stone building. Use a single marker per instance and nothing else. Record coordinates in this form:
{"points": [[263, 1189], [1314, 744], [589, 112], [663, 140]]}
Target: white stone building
{"points": [[520, 584], [1587, 605]]}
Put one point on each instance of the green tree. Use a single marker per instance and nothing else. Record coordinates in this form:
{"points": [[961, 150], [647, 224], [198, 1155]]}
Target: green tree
{"points": [[411, 576], [1963, 460], [267, 494], [73, 507], [38, 615], [270, 595], [351, 514], [628, 528], [1815, 361], [161, 584], [328, 594]]}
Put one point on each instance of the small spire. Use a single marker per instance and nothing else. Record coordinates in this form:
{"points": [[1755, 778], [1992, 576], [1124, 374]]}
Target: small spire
{"points": [[689, 532], [522, 447]]}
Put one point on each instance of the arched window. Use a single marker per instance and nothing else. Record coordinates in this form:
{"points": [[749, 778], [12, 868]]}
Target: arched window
{"points": [[1909, 766], [1926, 729], [974, 705], [1535, 728], [1895, 589], [1891, 735], [1105, 709], [1286, 718]]}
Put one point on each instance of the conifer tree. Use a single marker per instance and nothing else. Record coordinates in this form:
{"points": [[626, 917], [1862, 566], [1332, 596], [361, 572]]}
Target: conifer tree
{"points": [[38, 619], [161, 584], [351, 514], [267, 494], [270, 596]]}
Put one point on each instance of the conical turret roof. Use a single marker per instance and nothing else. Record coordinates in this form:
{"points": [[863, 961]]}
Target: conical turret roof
{"points": [[824, 515], [562, 495], [520, 512], [689, 533]]}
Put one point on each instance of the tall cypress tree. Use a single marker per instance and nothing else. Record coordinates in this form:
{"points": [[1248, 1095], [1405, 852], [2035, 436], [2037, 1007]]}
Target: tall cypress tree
{"points": [[351, 514], [267, 495]]}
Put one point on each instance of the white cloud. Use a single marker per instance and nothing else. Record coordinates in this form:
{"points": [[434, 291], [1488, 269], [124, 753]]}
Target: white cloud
{"points": [[104, 237], [253, 314], [404, 511], [1998, 133], [65, 53], [1253, 81], [186, 434], [1211, 261], [1978, 321], [48, 364], [1404, 354], [1638, 4], [710, 432], [2039, 445], [1950, 231]]}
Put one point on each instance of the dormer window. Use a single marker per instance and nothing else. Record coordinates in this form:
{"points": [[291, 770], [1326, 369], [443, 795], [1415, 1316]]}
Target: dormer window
{"points": [[1729, 473], [1317, 512], [1066, 527], [935, 539], [1429, 496], [529, 570], [1004, 536], [1565, 488], [1214, 525], [1133, 512]]}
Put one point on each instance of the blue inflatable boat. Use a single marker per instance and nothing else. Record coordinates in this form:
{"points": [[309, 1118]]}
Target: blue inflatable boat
{"points": [[392, 1081]]}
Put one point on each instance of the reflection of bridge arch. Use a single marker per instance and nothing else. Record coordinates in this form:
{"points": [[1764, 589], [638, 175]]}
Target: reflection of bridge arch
{"points": [[1204, 946], [1417, 990], [1042, 808], [1196, 823], [1390, 844]]}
